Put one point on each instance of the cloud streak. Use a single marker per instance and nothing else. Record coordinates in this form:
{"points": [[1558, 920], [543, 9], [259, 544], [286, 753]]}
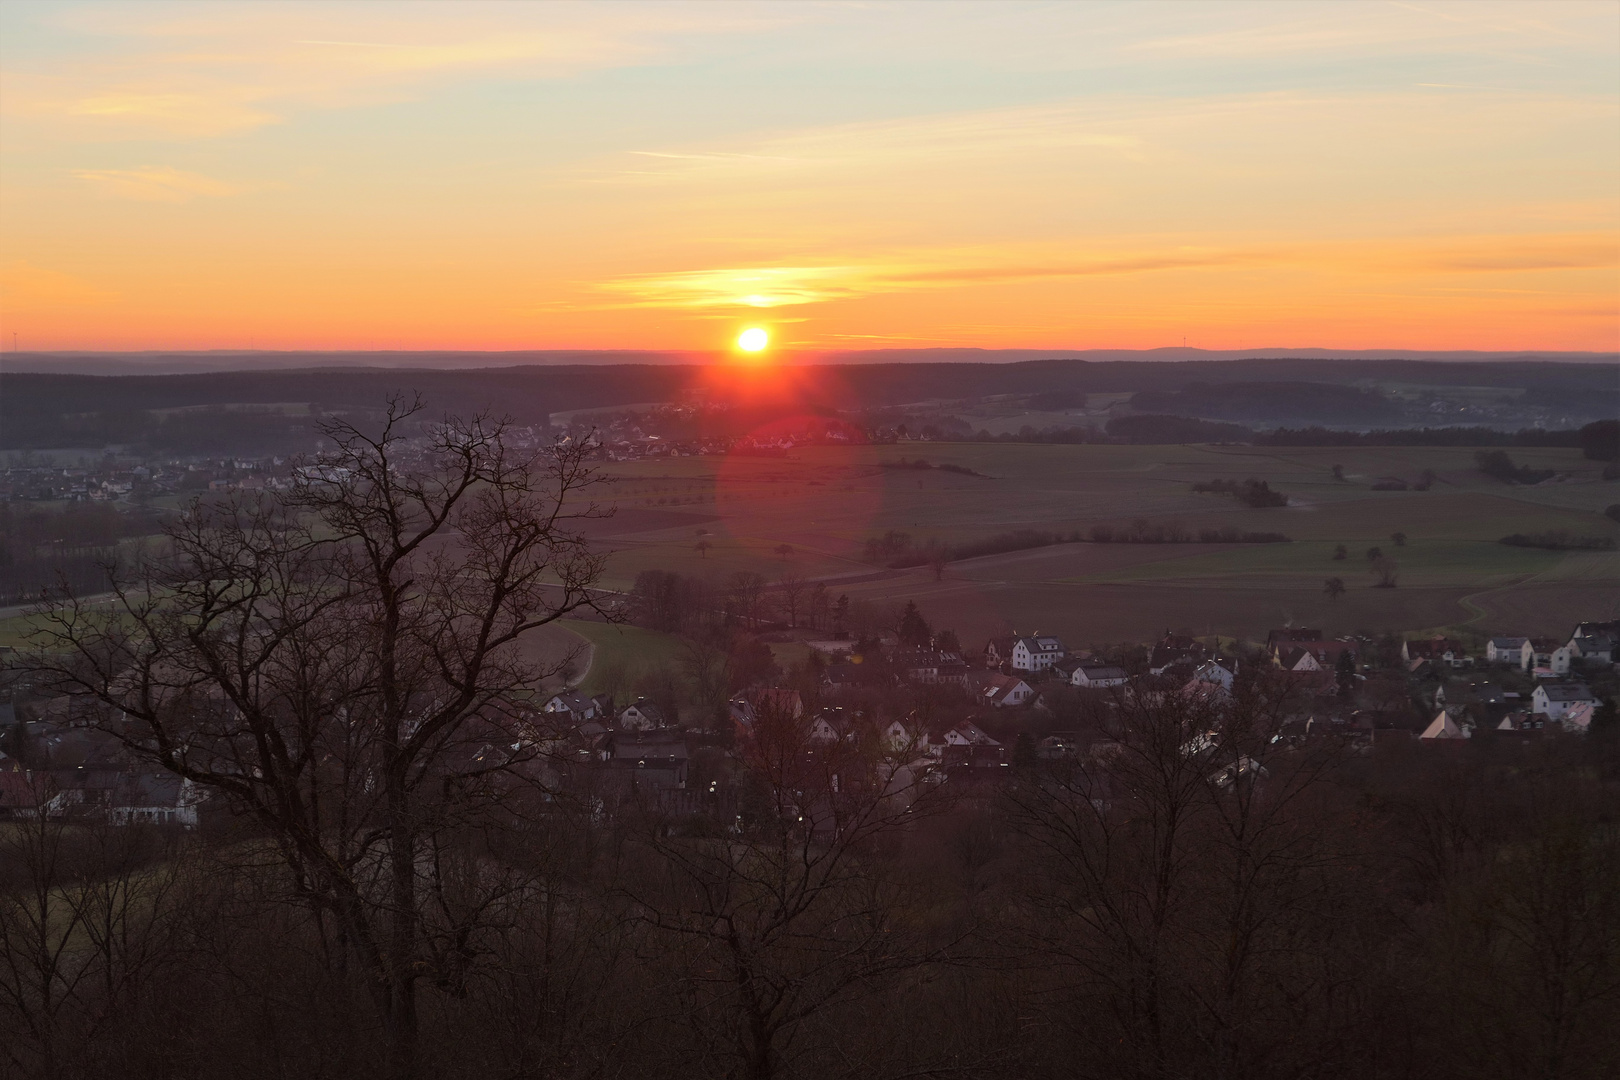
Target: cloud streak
{"points": [[154, 184]]}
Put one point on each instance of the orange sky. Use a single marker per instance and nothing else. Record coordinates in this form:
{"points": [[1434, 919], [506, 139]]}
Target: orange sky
{"points": [[1362, 175]]}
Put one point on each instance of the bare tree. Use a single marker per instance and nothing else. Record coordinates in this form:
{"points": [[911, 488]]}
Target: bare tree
{"points": [[793, 587], [747, 589], [790, 908], [1180, 880], [330, 662], [86, 914]]}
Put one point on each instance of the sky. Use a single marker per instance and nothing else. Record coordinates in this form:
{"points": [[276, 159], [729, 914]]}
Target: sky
{"points": [[850, 175]]}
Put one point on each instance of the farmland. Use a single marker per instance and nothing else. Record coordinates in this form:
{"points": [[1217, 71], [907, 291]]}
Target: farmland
{"points": [[713, 516]]}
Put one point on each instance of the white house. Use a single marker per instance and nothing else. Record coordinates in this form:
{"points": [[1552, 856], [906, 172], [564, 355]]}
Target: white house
{"points": [[1556, 699], [573, 706], [1036, 653], [968, 733], [155, 798], [1546, 657], [898, 738], [641, 715], [1506, 650], [1098, 675], [1593, 646], [1004, 690], [1594, 641]]}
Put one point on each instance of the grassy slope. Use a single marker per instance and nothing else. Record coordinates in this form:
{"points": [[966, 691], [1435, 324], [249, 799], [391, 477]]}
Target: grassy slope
{"points": [[629, 648]]}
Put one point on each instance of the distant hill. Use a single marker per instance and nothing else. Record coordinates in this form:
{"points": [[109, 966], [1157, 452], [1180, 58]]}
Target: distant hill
{"points": [[223, 360], [1273, 403], [41, 409]]}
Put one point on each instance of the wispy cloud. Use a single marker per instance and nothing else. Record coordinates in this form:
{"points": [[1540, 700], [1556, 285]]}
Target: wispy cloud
{"points": [[194, 71], [154, 184], [1532, 253], [785, 286], [782, 286]]}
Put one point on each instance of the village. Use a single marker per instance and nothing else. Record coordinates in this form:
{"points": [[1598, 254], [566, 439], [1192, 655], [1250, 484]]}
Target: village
{"points": [[909, 699]]}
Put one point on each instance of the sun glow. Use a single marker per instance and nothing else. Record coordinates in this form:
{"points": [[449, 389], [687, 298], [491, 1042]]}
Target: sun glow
{"points": [[753, 340]]}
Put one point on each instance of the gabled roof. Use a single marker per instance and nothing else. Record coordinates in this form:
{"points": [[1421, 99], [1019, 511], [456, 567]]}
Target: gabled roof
{"points": [[645, 708], [1566, 692], [1443, 727], [1509, 643], [1432, 648], [973, 734], [998, 688]]}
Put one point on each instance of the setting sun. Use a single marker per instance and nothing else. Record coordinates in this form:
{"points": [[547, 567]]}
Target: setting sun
{"points": [[753, 340]]}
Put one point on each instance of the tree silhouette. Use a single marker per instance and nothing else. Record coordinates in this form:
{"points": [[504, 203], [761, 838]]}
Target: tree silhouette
{"points": [[322, 659], [1334, 587]]}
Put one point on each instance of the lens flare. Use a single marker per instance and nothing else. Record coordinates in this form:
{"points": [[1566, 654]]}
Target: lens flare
{"points": [[753, 340]]}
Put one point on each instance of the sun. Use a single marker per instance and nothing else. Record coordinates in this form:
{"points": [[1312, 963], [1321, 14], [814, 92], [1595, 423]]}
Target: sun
{"points": [[753, 340]]}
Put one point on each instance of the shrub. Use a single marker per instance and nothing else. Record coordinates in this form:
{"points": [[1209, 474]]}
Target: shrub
{"points": [[1560, 540], [1496, 464]]}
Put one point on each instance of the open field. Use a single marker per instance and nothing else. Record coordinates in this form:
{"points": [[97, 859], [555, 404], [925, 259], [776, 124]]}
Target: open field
{"points": [[826, 501]]}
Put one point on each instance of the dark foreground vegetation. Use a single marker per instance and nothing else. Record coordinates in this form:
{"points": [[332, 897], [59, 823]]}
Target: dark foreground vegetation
{"points": [[404, 868]]}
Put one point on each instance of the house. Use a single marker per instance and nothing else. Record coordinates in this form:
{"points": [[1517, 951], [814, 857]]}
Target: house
{"points": [[156, 799], [1217, 672], [1445, 727], [642, 715], [655, 758], [1506, 650], [1578, 717], [999, 650], [833, 725], [1545, 657], [1206, 684], [1437, 650], [1277, 640], [899, 737], [1004, 690], [1036, 653], [1482, 698], [1311, 655], [1098, 676], [1294, 658], [571, 706], [780, 700], [1595, 641], [929, 667], [1519, 720], [967, 733], [1173, 650], [836, 678], [1556, 699]]}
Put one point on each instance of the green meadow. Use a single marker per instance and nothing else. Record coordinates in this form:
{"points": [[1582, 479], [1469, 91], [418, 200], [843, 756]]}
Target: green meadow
{"points": [[825, 502]]}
